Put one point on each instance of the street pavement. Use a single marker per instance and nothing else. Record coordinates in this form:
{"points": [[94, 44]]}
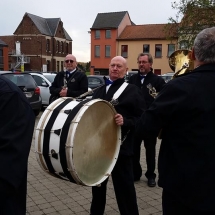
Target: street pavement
{"points": [[49, 195]]}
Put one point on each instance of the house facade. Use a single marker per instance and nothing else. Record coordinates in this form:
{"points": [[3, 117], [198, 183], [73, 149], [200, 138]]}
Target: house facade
{"points": [[104, 33], [4, 65], [151, 39], [38, 44], [115, 34]]}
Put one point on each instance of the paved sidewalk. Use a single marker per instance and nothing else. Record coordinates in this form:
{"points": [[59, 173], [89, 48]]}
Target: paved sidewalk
{"points": [[52, 196]]}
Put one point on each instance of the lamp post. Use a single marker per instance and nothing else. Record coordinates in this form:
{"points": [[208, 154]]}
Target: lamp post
{"points": [[41, 53]]}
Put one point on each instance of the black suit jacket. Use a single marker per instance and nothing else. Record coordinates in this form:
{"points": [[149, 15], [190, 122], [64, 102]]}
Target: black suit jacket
{"points": [[130, 105], [156, 81], [77, 84], [185, 111], [16, 130]]}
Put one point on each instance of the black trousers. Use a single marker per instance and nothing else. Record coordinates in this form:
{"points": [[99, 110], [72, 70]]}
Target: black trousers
{"points": [[123, 182], [150, 150], [13, 201], [172, 206]]}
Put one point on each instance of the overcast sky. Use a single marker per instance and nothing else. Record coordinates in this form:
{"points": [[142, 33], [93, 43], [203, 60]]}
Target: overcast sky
{"points": [[78, 16]]}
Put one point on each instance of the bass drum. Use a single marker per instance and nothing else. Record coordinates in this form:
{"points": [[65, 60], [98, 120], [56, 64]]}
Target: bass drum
{"points": [[78, 141]]}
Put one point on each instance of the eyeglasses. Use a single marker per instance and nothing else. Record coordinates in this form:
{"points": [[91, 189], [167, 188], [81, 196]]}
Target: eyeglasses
{"points": [[67, 61]]}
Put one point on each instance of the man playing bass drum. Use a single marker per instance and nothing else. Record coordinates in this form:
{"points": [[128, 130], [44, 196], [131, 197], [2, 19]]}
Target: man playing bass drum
{"points": [[129, 106]]}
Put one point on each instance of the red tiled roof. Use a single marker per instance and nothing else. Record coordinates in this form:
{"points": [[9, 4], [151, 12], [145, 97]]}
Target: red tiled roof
{"points": [[140, 32]]}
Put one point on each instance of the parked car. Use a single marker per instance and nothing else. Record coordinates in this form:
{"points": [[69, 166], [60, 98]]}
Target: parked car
{"points": [[28, 86], [167, 76], [44, 81], [129, 74], [95, 81]]}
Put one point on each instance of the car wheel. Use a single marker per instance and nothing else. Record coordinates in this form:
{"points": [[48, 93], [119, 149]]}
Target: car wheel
{"points": [[36, 112]]}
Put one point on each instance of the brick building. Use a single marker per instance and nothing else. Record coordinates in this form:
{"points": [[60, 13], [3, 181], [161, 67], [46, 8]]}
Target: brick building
{"points": [[38, 44], [3, 56]]}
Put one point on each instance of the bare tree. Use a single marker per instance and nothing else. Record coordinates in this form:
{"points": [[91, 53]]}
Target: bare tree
{"points": [[195, 15]]}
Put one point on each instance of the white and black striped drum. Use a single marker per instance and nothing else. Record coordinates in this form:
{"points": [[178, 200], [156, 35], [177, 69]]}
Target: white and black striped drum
{"points": [[78, 141]]}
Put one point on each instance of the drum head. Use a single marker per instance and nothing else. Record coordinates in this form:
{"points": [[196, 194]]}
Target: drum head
{"points": [[96, 143]]}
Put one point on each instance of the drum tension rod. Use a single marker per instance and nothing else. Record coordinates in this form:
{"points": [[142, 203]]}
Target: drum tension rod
{"points": [[67, 111], [40, 153]]}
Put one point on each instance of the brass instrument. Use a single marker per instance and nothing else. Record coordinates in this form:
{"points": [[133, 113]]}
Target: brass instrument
{"points": [[180, 62], [152, 90]]}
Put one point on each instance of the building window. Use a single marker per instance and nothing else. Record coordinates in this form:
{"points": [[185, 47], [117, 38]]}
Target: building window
{"points": [[171, 49], [108, 34], [158, 50], [184, 44], [61, 47], [97, 51], [47, 45], [67, 48], [97, 34], [62, 65], [57, 47], [107, 51], [58, 68], [157, 71], [48, 65], [146, 48], [124, 51]]}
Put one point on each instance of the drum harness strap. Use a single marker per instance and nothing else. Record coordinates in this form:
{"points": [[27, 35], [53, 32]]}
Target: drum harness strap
{"points": [[114, 101]]}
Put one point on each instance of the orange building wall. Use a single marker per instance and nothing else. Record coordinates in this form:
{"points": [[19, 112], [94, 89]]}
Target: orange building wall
{"points": [[102, 61]]}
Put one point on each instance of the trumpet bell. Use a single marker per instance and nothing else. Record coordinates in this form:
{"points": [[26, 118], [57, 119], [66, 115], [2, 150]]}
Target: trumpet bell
{"points": [[180, 61]]}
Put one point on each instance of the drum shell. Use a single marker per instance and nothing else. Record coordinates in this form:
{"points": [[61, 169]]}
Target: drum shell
{"points": [[92, 143]]}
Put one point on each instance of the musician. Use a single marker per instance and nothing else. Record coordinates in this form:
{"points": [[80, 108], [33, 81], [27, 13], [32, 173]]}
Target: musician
{"points": [[71, 83], [129, 107], [16, 129], [144, 77], [185, 111]]}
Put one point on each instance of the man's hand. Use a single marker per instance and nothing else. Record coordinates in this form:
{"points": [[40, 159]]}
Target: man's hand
{"points": [[63, 92], [119, 119]]}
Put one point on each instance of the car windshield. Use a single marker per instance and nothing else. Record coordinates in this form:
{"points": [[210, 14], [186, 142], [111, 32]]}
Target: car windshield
{"points": [[21, 79], [50, 77]]}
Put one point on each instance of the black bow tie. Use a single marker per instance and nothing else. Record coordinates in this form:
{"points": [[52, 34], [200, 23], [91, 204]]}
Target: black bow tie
{"points": [[67, 74], [142, 77], [107, 82]]}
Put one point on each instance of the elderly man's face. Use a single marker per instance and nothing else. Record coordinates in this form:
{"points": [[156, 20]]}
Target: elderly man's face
{"points": [[117, 68], [70, 62]]}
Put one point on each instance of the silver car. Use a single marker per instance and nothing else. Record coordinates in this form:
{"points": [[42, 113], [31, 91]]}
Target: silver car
{"points": [[44, 81]]}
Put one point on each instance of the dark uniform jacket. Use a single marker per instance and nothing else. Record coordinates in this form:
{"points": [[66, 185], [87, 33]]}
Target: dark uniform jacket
{"points": [[16, 130], [77, 84], [156, 82], [185, 111], [130, 105]]}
